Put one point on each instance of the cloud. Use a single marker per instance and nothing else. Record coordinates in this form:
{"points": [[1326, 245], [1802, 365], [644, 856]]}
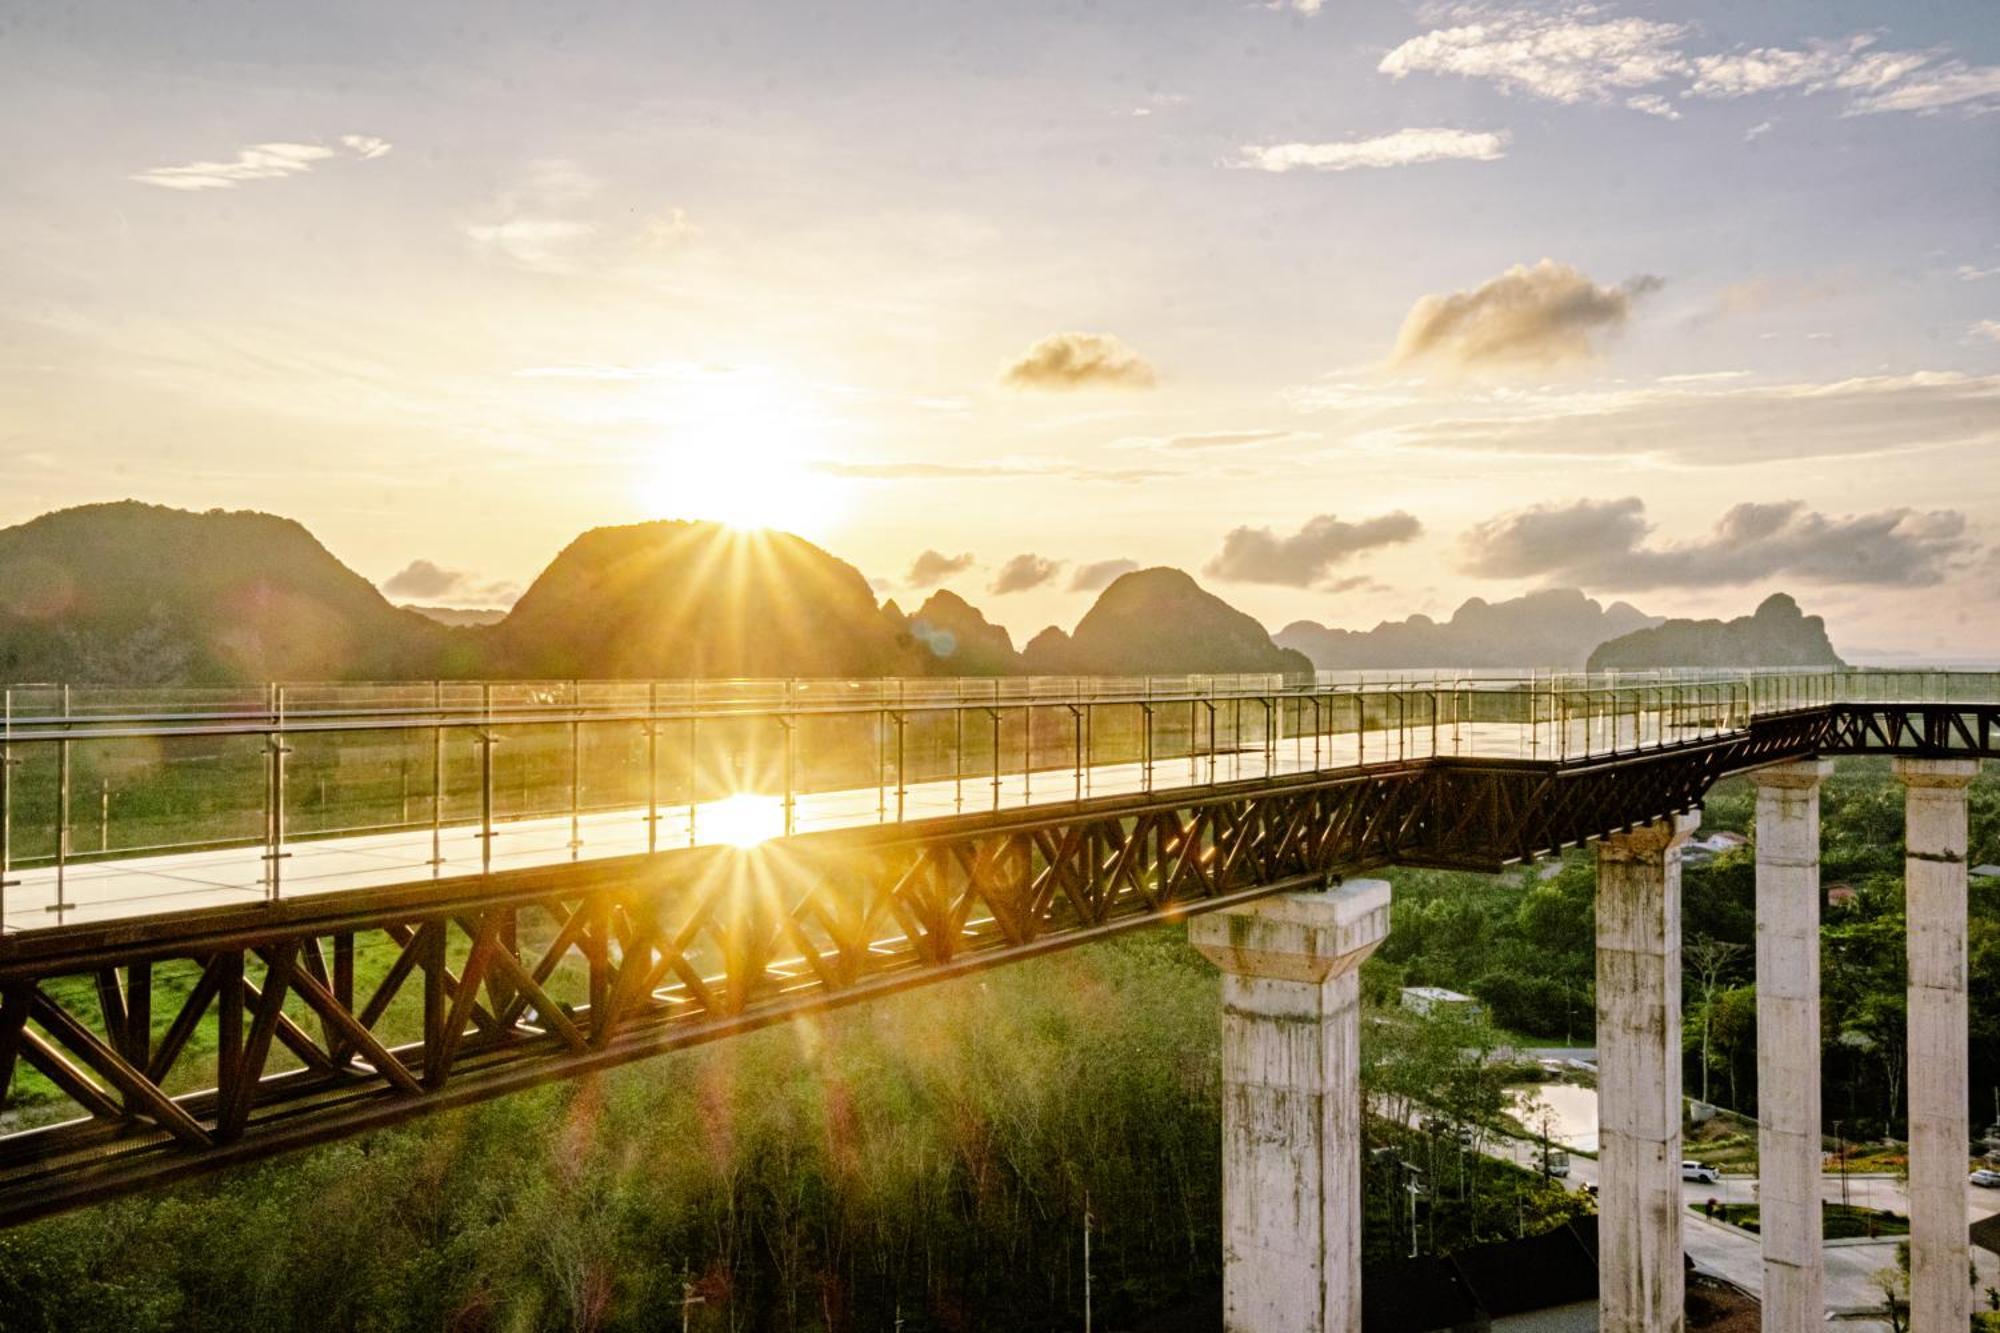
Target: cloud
{"points": [[1579, 54], [264, 161], [1716, 424], [1404, 148], [1258, 555], [534, 224], [913, 470], [260, 162], [1758, 131], [1606, 544], [1988, 329], [428, 581], [531, 242], [1307, 7], [1547, 315], [1953, 83], [1203, 440], [1822, 65], [1064, 361], [1972, 273], [1023, 572], [934, 567], [1759, 295], [1876, 81], [1565, 55], [1099, 574]]}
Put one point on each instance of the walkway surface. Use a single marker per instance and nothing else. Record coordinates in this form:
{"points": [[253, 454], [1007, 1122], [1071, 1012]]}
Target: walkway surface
{"points": [[94, 890]]}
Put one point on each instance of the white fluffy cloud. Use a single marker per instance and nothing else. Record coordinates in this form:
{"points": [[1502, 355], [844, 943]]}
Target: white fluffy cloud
{"points": [[1546, 315], [1565, 55], [1406, 147], [1581, 53], [260, 162]]}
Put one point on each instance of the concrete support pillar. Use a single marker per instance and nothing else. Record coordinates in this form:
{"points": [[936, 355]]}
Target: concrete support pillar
{"points": [[1788, 1044], [1291, 1104], [1641, 1288], [1934, 841]]}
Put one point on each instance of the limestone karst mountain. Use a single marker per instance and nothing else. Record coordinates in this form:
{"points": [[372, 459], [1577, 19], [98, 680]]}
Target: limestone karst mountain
{"points": [[1777, 634], [948, 636], [1160, 621], [138, 594], [672, 598]]}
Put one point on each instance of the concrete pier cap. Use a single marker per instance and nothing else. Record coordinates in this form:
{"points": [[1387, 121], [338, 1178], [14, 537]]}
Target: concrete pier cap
{"points": [[1304, 936], [1802, 774]]}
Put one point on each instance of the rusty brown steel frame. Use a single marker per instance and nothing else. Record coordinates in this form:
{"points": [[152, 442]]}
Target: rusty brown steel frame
{"points": [[689, 946]]}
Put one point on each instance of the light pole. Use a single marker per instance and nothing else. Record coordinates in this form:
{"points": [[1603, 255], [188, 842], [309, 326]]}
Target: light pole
{"points": [[1086, 1263], [1840, 1154], [688, 1299], [1412, 1188]]}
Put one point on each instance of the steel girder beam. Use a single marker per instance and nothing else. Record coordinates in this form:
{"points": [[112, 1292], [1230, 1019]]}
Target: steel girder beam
{"points": [[1927, 731], [521, 982], [1487, 814]]}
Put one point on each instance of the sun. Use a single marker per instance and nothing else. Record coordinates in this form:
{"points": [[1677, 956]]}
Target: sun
{"points": [[737, 448], [743, 820]]}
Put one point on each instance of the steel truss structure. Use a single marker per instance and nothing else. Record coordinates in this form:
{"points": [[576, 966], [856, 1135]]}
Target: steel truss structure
{"points": [[503, 981]]}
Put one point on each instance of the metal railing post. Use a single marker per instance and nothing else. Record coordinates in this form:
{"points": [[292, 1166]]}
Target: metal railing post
{"points": [[1027, 751], [7, 762], [575, 772], [1076, 745], [1316, 730], [993, 715], [652, 767], [437, 775], [790, 724], [1146, 742], [902, 766], [62, 813]]}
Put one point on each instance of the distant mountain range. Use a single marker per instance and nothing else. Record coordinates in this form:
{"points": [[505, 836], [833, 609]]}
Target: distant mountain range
{"points": [[1558, 628], [137, 594]]}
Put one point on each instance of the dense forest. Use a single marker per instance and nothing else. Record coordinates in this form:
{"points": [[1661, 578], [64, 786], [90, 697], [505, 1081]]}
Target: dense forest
{"points": [[936, 1157]]}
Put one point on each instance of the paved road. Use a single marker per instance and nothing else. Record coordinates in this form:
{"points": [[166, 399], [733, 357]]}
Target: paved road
{"points": [[1851, 1266]]}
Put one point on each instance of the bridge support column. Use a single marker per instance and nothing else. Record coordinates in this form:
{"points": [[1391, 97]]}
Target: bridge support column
{"points": [[1934, 898], [1291, 1108], [1641, 1288], [1788, 1042]]}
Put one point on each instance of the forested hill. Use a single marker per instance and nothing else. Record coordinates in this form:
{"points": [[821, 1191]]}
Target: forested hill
{"points": [[668, 599], [1777, 634], [1160, 621], [1556, 627], [138, 594]]}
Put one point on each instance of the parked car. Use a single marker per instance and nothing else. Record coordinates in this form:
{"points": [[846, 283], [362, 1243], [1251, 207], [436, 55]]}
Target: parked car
{"points": [[1986, 1179], [1701, 1171]]}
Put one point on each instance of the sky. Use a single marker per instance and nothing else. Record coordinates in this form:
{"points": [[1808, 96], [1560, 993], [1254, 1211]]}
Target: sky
{"points": [[1354, 310]]}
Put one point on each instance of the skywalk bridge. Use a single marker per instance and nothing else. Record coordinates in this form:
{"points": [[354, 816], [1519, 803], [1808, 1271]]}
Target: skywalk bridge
{"points": [[385, 900]]}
